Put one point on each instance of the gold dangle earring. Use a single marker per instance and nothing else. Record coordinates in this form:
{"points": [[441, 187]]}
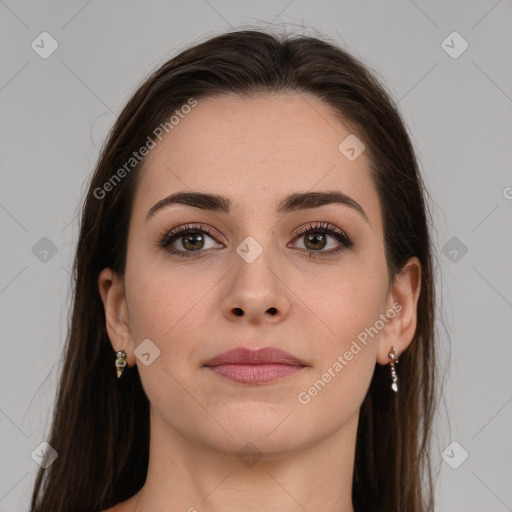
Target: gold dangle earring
{"points": [[120, 362]]}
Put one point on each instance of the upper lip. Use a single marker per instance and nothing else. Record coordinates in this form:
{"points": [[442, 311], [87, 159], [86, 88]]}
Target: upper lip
{"points": [[243, 355]]}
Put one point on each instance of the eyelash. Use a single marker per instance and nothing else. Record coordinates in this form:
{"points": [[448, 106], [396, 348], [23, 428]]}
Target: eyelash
{"points": [[168, 237]]}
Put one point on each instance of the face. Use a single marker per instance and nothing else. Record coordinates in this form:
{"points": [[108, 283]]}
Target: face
{"points": [[310, 279]]}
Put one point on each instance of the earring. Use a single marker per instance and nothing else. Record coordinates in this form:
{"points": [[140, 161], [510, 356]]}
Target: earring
{"points": [[120, 362], [394, 359]]}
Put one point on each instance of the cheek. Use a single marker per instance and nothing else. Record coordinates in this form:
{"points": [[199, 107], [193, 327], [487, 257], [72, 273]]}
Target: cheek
{"points": [[347, 349], [346, 304], [347, 314], [169, 308]]}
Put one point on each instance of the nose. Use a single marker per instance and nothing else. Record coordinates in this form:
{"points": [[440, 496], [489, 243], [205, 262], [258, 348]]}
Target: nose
{"points": [[256, 293]]}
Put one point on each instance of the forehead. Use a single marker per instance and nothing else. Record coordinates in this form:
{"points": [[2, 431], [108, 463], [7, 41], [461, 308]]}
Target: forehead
{"points": [[255, 150]]}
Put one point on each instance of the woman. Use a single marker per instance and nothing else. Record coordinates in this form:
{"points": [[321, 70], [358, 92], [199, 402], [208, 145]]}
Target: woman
{"points": [[253, 319]]}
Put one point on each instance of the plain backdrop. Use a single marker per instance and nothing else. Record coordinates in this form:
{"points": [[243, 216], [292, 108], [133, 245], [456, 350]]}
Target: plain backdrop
{"points": [[455, 93]]}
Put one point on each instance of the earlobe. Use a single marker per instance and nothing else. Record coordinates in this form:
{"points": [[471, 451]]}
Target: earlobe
{"points": [[404, 296], [111, 289]]}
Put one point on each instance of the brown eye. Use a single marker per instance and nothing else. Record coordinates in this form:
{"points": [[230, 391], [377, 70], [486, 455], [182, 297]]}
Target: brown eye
{"points": [[317, 238], [315, 241], [189, 239], [193, 242]]}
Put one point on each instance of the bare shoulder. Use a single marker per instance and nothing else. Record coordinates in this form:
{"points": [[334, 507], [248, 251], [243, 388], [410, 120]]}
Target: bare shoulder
{"points": [[115, 508], [124, 506], [120, 507]]}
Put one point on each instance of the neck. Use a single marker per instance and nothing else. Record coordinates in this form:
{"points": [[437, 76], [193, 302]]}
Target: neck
{"points": [[185, 475]]}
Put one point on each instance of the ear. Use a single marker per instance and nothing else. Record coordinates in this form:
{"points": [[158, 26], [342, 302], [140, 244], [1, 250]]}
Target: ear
{"points": [[111, 288], [403, 300]]}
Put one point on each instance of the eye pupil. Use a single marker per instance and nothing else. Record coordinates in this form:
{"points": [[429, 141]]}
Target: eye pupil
{"points": [[315, 237], [195, 240]]}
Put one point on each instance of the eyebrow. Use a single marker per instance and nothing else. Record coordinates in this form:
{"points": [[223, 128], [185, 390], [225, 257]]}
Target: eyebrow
{"points": [[293, 202]]}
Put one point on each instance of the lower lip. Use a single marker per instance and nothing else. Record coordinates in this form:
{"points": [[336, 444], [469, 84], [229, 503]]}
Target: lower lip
{"points": [[255, 373]]}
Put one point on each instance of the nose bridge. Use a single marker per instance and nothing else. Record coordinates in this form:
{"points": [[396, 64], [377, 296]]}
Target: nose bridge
{"points": [[253, 261], [255, 290]]}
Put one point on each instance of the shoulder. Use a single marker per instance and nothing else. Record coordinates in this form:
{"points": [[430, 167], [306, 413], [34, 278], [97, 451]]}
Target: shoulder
{"points": [[115, 508], [124, 506]]}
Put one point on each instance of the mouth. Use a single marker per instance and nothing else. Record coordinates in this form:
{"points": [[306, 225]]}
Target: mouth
{"points": [[255, 367]]}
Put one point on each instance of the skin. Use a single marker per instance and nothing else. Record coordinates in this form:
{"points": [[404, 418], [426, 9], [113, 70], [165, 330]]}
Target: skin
{"points": [[255, 151]]}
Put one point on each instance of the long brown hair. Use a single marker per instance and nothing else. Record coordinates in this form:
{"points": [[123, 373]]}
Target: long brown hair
{"points": [[100, 426]]}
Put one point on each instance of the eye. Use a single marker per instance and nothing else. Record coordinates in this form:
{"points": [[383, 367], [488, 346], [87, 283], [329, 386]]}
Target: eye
{"points": [[193, 240], [316, 238]]}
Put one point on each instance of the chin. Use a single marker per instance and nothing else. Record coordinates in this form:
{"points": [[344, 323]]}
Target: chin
{"points": [[272, 432]]}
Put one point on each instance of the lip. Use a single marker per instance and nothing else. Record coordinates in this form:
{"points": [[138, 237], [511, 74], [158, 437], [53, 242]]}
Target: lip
{"points": [[249, 366], [267, 355]]}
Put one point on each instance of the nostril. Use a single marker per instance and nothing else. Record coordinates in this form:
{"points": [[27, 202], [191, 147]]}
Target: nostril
{"points": [[272, 311], [238, 312]]}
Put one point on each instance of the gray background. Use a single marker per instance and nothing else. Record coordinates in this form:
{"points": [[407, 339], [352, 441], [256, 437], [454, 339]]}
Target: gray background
{"points": [[56, 112]]}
